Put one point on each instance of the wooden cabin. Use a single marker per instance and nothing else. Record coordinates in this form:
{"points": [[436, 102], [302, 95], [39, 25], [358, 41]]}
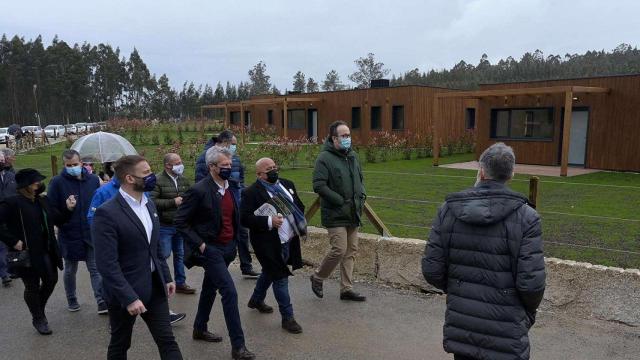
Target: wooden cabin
{"points": [[400, 110]]}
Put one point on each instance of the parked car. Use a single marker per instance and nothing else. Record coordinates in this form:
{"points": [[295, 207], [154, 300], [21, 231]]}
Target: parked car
{"points": [[4, 135], [80, 127], [54, 130], [36, 130], [71, 129]]}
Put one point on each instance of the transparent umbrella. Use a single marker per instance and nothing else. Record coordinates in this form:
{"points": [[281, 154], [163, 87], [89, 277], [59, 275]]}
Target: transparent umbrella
{"points": [[103, 146]]}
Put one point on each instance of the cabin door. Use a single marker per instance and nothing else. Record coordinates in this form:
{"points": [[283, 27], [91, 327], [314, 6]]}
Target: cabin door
{"points": [[578, 142]]}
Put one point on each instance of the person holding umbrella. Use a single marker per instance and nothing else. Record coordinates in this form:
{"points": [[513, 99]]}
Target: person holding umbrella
{"points": [[29, 221]]}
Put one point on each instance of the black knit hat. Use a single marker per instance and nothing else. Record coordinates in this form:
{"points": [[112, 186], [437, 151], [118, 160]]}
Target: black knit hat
{"points": [[26, 177]]}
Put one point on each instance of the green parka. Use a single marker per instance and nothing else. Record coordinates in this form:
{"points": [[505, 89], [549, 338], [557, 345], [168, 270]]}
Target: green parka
{"points": [[165, 192], [337, 179]]}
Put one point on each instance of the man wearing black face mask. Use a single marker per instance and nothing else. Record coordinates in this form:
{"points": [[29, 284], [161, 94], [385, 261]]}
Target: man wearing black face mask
{"points": [[274, 240], [136, 278], [208, 220]]}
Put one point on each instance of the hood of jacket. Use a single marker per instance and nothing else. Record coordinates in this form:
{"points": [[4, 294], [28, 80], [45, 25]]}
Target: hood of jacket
{"points": [[485, 204]]}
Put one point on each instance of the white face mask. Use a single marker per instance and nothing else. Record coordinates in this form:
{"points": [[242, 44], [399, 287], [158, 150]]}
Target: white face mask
{"points": [[178, 169]]}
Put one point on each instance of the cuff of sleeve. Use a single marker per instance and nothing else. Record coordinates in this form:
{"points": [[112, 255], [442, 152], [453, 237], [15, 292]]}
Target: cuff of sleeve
{"points": [[269, 223]]}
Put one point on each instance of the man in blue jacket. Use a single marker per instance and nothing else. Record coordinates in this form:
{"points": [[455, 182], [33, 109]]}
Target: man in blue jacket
{"points": [[74, 236]]}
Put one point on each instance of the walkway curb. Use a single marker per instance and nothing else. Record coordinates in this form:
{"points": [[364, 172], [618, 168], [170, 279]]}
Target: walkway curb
{"points": [[581, 289]]}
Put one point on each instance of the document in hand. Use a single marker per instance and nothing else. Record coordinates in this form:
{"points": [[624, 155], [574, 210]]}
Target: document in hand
{"points": [[266, 210]]}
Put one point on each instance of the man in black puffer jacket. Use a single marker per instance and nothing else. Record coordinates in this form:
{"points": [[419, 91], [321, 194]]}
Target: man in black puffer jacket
{"points": [[485, 253]]}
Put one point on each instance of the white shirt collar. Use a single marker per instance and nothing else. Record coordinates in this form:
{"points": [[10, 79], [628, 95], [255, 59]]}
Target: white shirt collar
{"points": [[221, 190], [131, 200]]}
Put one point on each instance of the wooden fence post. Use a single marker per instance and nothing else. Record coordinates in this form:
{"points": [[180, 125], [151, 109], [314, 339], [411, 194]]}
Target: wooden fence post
{"points": [[533, 191], [368, 210], [376, 221], [313, 209], [54, 165]]}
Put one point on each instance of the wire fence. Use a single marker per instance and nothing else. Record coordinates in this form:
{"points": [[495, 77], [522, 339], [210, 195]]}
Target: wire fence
{"points": [[603, 239]]}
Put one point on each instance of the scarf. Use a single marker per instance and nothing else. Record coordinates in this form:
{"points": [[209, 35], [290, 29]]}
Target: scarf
{"points": [[287, 207]]}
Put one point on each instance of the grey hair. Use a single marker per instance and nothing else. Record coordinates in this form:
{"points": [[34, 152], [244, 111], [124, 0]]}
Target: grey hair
{"points": [[168, 157], [213, 154], [8, 152], [498, 162], [70, 154]]}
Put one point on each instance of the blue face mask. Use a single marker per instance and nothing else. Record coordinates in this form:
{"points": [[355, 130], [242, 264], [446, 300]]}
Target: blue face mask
{"points": [[74, 171], [233, 148], [345, 143]]}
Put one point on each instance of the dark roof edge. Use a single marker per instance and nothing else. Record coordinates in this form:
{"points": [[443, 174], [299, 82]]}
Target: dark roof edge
{"points": [[561, 79]]}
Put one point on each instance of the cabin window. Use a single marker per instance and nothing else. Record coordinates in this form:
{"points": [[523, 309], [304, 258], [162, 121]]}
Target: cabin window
{"points": [[269, 117], [376, 118], [470, 118], [397, 117], [234, 117], [523, 124], [355, 117], [295, 119]]}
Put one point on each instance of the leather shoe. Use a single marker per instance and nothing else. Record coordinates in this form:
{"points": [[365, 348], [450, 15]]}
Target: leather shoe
{"points": [[242, 353], [352, 296], [206, 336], [250, 274], [291, 326], [260, 306], [185, 289], [42, 326], [316, 286]]}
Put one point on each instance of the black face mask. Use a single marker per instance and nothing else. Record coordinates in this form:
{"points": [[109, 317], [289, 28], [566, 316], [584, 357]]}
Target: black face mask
{"points": [[41, 189], [225, 173], [272, 176]]}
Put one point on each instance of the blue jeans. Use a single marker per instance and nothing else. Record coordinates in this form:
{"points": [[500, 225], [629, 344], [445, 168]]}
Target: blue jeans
{"points": [[243, 249], [171, 240], [218, 279], [280, 289], [70, 270], [3, 261]]}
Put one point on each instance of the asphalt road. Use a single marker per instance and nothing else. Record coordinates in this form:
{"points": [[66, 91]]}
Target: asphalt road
{"points": [[392, 324]]}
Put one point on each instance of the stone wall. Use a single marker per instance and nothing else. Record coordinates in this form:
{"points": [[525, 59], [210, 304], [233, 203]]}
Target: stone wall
{"points": [[581, 289]]}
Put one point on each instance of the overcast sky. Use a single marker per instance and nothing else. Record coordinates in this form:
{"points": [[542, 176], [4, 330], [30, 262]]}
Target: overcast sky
{"points": [[211, 41]]}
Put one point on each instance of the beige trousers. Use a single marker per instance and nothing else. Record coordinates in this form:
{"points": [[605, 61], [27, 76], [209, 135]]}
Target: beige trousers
{"points": [[344, 247]]}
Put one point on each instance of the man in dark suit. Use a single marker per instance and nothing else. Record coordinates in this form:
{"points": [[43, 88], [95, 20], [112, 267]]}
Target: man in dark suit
{"points": [[274, 238], [136, 279], [208, 220]]}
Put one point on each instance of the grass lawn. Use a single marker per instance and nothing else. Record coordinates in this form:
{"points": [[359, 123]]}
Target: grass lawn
{"points": [[591, 218]]}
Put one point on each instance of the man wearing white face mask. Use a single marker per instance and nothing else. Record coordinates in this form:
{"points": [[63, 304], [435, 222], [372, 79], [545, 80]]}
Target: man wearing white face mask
{"points": [[167, 195]]}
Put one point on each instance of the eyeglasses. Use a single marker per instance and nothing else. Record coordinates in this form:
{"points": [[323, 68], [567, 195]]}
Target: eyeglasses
{"points": [[344, 136]]}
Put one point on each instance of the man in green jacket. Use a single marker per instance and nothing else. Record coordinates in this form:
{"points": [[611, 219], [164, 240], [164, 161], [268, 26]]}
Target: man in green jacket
{"points": [[167, 196], [337, 179]]}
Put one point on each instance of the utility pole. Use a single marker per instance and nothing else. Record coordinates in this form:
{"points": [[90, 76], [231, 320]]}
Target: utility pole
{"points": [[35, 97]]}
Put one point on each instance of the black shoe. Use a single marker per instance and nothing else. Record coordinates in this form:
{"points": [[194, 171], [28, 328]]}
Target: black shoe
{"points": [[250, 274], [206, 336], [174, 318], [42, 326], [316, 286], [261, 306], [102, 308], [242, 354], [6, 281], [352, 296], [291, 326]]}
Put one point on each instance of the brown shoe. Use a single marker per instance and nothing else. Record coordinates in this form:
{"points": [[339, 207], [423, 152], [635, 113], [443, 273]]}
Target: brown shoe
{"points": [[206, 336], [185, 289]]}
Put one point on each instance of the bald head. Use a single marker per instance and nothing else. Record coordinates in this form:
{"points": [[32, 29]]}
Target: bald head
{"points": [[263, 166]]}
